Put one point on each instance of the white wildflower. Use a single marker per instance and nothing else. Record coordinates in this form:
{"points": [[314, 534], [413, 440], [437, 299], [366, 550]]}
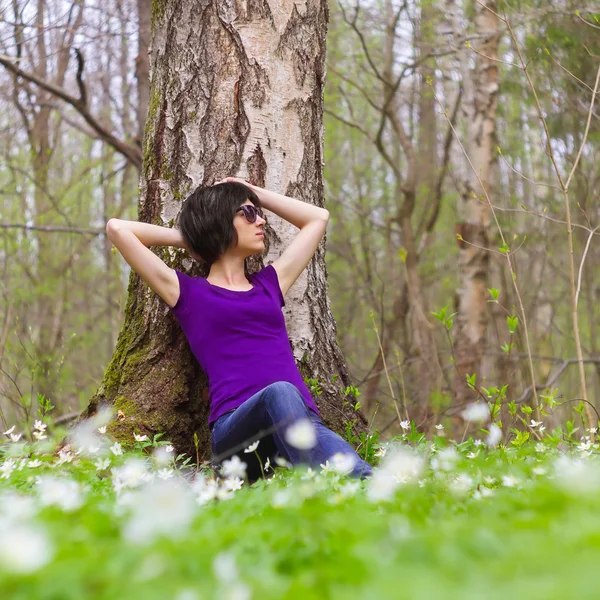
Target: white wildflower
{"points": [[267, 464], [281, 498], [282, 462], [6, 468], [161, 456], [129, 474], [39, 435], [439, 427], [64, 493], [252, 447], [234, 467], [382, 486], [585, 446], [32, 464], [461, 484], [326, 467], [485, 492], [473, 454], [478, 443], [225, 568], [445, 459], [577, 476], [403, 464], [489, 480], [165, 473], [140, 438], [350, 488], [116, 449], [15, 437], [510, 481], [534, 423], [301, 434], [102, 430], [102, 464], [16, 507], [495, 436], [24, 549], [233, 484], [8, 432], [343, 463], [540, 447], [476, 412], [380, 452], [64, 456], [204, 490], [169, 448], [160, 508], [310, 474], [405, 424], [39, 425], [148, 476], [86, 440], [187, 594], [538, 471]]}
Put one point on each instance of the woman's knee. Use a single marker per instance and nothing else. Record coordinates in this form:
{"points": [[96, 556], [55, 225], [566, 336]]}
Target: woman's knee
{"points": [[283, 387], [283, 396]]}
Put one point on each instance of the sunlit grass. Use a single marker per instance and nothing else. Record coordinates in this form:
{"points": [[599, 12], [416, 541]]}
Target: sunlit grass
{"points": [[437, 520]]}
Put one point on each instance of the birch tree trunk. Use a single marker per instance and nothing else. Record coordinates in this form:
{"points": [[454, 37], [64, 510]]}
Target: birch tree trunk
{"points": [[481, 91], [236, 90]]}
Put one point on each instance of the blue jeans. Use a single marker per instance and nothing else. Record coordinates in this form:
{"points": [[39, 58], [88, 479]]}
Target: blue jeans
{"points": [[265, 416]]}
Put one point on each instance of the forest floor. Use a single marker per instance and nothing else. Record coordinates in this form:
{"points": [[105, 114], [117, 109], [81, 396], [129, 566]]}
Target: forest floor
{"points": [[437, 520]]}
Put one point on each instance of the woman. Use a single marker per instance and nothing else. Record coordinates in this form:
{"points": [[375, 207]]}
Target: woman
{"points": [[234, 324]]}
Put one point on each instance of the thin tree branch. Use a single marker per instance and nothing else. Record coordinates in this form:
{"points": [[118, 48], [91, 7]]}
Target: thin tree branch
{"points": [[132, 153]]}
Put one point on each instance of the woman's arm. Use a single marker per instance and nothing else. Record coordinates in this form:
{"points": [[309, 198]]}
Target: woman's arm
{"points": [[294, 211], [310, 219], [150, 235], [132, 238]]}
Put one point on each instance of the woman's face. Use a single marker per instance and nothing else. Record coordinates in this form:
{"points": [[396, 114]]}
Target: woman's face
{"points": [[250, 235]]}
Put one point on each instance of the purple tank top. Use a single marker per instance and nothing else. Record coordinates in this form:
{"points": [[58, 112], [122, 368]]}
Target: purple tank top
{"points": [[238, 338]]}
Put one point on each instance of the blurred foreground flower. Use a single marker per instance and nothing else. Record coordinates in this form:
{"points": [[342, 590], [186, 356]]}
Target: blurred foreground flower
{"points": [[577, 475], [445, 459], [301, 434], [159, 508], [476, 412], [495, 436], [343, 463], [64, 493], [399, 466], [24, 548], [234, 467]]}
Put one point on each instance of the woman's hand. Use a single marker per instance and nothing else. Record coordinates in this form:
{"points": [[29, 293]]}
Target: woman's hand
{"points": [[237, 180]]}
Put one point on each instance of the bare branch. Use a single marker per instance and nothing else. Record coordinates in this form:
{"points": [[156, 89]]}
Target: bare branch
{"points": [[132, 153], [52, 228]]}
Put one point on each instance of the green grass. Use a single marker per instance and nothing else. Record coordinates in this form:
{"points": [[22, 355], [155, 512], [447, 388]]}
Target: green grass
{"points": [[319, 537]]}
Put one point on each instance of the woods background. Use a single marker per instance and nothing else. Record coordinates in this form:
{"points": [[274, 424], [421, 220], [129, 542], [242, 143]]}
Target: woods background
{"points": [[424, 103]]}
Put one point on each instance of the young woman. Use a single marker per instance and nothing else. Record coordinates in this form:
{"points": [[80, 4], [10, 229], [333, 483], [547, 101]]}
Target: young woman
{"points": [[234, 324]]}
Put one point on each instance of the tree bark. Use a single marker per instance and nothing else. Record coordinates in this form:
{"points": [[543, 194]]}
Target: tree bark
{"points": [[236, 90], [481, 91]]}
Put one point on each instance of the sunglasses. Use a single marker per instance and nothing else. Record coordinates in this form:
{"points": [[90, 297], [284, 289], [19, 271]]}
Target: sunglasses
{"points": [[251, 212]]}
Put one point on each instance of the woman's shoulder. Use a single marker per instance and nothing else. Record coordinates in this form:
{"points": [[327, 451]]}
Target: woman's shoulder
{"points": [[267, 277]]}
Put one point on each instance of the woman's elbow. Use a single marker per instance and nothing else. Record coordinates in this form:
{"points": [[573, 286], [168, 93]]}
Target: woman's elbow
{"points": [[111, 226]]}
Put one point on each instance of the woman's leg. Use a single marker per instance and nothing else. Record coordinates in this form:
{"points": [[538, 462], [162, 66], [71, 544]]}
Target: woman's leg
{"points": [[270, 412], [330, 443]]}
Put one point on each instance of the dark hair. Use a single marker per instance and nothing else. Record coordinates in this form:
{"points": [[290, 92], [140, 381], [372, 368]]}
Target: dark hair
{"points": [[206, 218]]}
